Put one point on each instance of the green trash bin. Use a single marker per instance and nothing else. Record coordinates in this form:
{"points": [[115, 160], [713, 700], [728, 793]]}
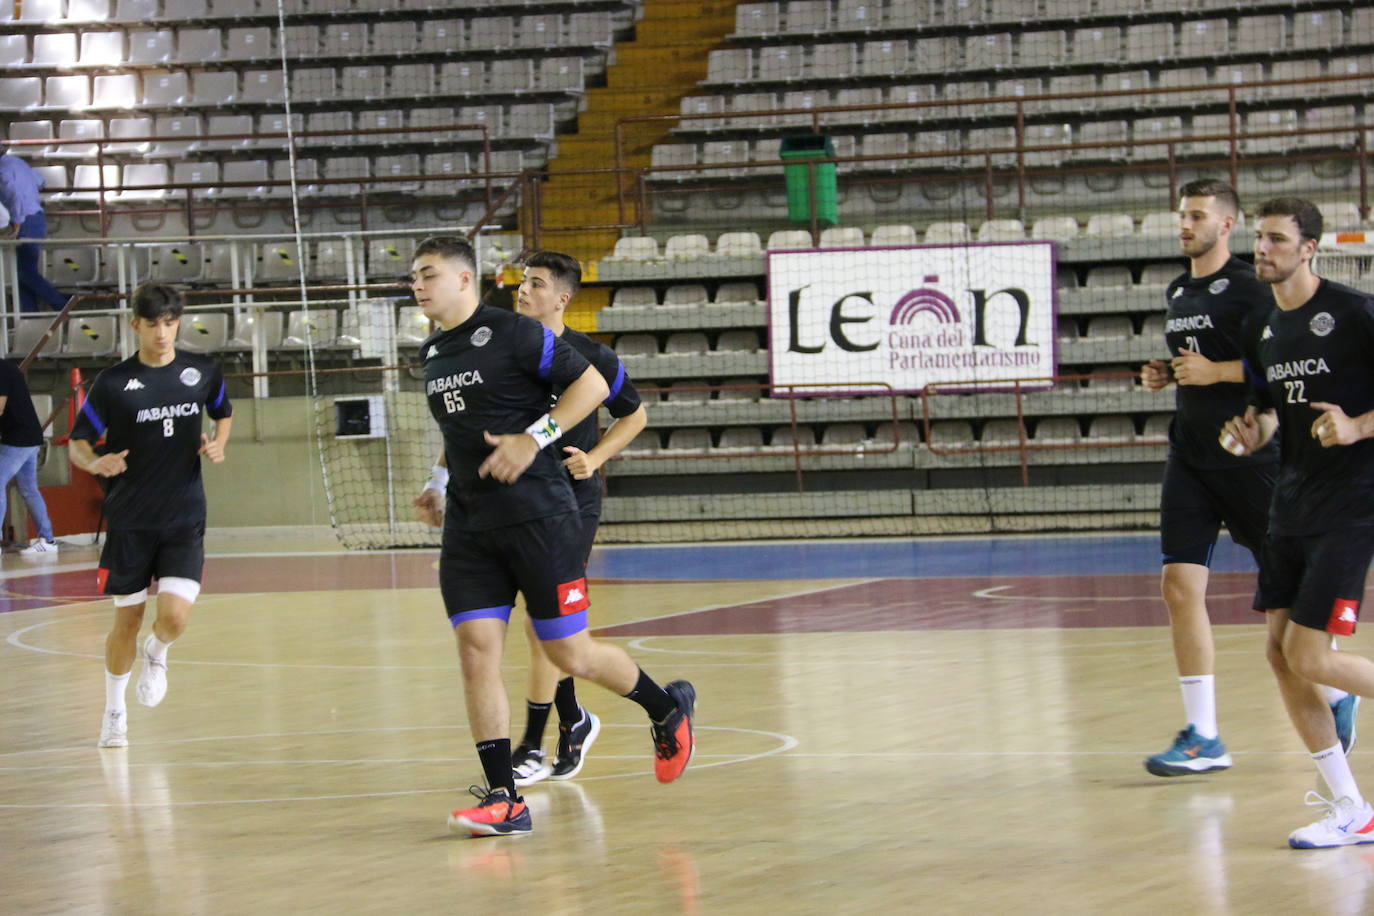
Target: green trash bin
{"points": [[794, 152]]}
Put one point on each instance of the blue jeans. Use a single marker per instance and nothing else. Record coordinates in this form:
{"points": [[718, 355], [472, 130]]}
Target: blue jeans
{"points": [[32, 285], [20, 464]]}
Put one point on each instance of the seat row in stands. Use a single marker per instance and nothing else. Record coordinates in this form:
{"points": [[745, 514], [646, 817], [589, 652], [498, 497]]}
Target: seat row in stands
{"points": [[145, 12], [92, 336]]}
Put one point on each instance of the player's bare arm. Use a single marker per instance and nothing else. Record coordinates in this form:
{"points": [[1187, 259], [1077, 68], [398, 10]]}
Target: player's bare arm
{"points": [[1191, 368], [213, 448], [1156, 375], [429, 505], [621, 433], [1245, 434], [84, 457], [512, 453], [1334, 427]]}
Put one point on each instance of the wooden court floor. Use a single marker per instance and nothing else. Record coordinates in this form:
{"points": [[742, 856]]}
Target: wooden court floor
{"points": [[936, 732]]}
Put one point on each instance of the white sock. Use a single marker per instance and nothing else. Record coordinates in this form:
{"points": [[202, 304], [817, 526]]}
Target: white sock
{"points": [[156, 648], [114, 691], [1335, 770], [1200, 703]]}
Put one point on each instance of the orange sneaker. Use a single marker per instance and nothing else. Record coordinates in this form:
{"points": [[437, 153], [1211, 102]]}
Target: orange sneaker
{"points": [[495, 814], [673, 740]]}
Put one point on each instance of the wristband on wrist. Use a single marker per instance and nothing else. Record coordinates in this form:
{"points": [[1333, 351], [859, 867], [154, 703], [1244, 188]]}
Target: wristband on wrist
{"points": [[438, 478], [544, 430]]}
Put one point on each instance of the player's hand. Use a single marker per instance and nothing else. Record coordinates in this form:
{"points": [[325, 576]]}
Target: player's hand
{"points": [[1241, 435], [429, 508], [1154, 375], [211, 449], [579, 463], [109, 465], [1333, 427], [512, 454], [1194, 369]]}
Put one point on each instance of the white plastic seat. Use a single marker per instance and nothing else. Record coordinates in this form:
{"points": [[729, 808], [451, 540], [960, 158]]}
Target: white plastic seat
{"points": [[780, 62], [1109, 226], [406, 167], [1152, 328], [687, 343], [199, 45], [1159, 223], [491, 32], [685, 294], [1205, 38], [319, 124], [102, 49], [390, 257], [1272, 121], [741, 438], [948, 232], [314, 83], [144, 181], [1160, 274], [412, 326], [442, 36], [534, 120], [263, 87], [894, 235], [197, 173], [248, 44], [269, 324], [366, 82], [666, 155], [842, 237], [1057, 430], [988, 52], [78, 130], [594, 29], [254, 171], [739, 245], [445, 173], [746, 390], [1149, 42], [32, 130], [394, 37], [686, 392], [1001, 230], [203, 332], [213, 88], [228, 132], [88, 179], [687, 247], [634, 297], [736, 291], [79, 264], [1055, 228], [1146, 129], [278, 261], [54, 49], [630, 345], [1317, 29], [757, 19], [136, 10], [689, 440], [934, 55], [1109, 277], [152, 47], [26, 334], [737, 340], [1109, 327], [887, 57], [635, 248], [318, 328], [91, 336], [789, 238], [165, 89], [344, 39], [646, 443], [71, 92], [175, 261], [561, 74], [345, 167], [180, 136]]}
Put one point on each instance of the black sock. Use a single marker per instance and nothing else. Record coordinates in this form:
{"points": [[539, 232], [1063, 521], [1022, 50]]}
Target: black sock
{"points": [[652, 697], [565, 698], [495, 757], [536, 717]]}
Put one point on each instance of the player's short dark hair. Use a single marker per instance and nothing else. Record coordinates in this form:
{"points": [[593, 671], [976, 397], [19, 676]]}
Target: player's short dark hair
{"points": [[562, 267], [155, 301], [452, 247], [1304, 213], [1212, 187]]}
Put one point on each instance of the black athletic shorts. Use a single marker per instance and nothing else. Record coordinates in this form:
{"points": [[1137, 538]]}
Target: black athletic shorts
{"points": [[587, 537], [542, 559], [1319, 578], [1194, 503], [131, 560]]}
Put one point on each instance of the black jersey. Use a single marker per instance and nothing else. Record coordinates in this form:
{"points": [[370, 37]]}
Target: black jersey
{"points": [[1213, 316], [496, 373], [1321, 351], [156, 413], [622, 401]]}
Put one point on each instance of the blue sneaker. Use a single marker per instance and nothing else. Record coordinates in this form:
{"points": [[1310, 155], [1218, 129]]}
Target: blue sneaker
{"points": [[1190, 753], [1344, 710]]}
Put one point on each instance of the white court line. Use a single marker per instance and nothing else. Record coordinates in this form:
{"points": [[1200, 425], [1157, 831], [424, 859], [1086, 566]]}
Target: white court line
{"points": [[786, 743], [987, 594], [720, 607]]}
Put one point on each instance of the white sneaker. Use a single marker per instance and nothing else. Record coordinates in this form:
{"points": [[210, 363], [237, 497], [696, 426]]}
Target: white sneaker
{"points": [[1344, 824], [529, 765], [39, 547], [114, 730], [152, 680]]}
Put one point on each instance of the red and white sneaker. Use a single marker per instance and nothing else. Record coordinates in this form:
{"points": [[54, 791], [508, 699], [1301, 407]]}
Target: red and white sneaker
{"points": [[673, 739], [495, 814], [1344, 824]]}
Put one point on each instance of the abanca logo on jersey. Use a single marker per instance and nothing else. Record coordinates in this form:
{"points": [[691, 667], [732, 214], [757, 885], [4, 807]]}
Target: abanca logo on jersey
{"points": [[1297, 368], [1189, 323], [167, 412], [453, 382]]}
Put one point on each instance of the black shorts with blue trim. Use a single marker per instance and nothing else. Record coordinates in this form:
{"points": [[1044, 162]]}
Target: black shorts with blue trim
{"points": [[543, 559], [132, 559], [1319, 578], [1193, 504]]}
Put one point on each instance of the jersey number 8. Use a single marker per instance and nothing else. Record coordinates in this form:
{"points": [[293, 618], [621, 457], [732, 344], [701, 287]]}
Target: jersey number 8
{"points": [[453, 402], [168, 428]]}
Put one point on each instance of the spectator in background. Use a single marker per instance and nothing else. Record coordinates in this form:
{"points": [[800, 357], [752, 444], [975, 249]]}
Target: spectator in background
{"points": [[21, 435], [19, 187]]}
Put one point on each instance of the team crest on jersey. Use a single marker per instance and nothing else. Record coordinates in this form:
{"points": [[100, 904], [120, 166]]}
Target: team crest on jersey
{"points": [[1219, 286], [1322, 324], [190, 376], [481, 336]]}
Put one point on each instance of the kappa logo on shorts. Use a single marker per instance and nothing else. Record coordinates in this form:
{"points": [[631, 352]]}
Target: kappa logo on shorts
{"points": [[572, 597], [1345, 613]]}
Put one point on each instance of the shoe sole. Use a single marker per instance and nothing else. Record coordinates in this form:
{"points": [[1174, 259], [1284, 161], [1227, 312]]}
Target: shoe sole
{"points": [[1191, 768], [691, 735], [543, 773], [116, 743], [1354, 841], [462, 824], [586, 749]]}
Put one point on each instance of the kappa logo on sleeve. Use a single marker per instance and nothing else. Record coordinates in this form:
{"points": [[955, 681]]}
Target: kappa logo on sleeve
{"points": [[1345, 613], [572, 597]]}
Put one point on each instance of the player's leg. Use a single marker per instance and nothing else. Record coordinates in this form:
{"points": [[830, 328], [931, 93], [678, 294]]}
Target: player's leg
{"points": [[578, 728], [124, 573], [178, 565], [478, 594], [1189, 525], [1328, 605], [528, 759], [552, 578], [27, 481]]}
